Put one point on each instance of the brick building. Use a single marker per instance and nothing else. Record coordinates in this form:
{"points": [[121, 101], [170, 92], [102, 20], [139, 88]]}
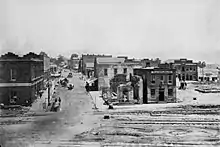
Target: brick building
{"points": [[159, 84], [186, 69], [21, 78]]}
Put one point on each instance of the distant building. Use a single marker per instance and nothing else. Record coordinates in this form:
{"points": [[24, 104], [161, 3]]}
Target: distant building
{"points": [[87, 64], [73, 63], [218, 74], [21, 78], [108, 68], [46, 62], [159, 84], [186, 69], [53, 68], [124, 57], [150, 62], [209, 73]]}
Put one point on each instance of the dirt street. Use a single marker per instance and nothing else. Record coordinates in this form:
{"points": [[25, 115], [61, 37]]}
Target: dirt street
{"points": [[177, 124], [45, 129]]}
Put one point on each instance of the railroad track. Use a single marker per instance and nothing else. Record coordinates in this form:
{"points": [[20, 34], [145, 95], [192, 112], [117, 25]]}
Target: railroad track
{"points": [[172, 122], [68, 143], [178, 112], [14, 122]]}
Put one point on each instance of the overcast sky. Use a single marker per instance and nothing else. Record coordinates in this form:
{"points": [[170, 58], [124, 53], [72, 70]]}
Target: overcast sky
{"points": [[138, 28]]}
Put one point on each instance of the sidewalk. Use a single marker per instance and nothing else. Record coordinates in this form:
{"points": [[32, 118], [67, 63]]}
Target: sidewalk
{"points": [[38, 104]]}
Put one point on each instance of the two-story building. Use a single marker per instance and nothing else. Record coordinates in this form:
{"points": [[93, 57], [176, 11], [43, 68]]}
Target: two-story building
{"points": [[46, 62], [209, 73], [186, 70], [107, 68], [87, 64], [159, 84], [21, 78], [73, 62]]}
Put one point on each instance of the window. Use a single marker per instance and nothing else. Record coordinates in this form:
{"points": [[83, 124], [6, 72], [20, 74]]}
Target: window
{"points": [[13, 74], [190, 77], [105, 72], [190, 68], [183, 68], [115, 71], [170, 79], [152, 91], [161, 77], [187, 69], [153, 79], [170, 92], [125, 71]]}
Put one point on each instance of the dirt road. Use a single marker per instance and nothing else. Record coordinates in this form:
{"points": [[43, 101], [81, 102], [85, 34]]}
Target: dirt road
{"points": [[52, 128]]}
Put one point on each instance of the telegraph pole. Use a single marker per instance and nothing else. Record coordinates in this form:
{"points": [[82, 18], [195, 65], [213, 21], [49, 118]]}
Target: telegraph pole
{"points": [[48, 95], [49, 86]]}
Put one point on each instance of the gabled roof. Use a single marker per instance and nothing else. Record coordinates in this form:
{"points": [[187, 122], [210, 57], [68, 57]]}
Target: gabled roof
{"points": [[110, 60]]}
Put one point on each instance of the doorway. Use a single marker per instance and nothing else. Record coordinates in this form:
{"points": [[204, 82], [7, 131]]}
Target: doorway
{"points": [[161, 95]]}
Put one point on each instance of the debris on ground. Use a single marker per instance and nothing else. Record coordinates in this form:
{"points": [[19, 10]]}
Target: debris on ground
{"points": [[106, 117]]}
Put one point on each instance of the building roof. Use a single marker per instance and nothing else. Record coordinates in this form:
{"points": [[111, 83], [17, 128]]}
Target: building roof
{"points": [[21, 60], [169, 61], [110, 60]]}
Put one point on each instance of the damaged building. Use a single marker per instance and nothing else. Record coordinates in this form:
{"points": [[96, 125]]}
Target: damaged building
{"points": [[111, 69]]}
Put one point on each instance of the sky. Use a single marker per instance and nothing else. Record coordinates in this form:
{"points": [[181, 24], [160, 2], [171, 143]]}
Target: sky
{"points": [[168, 29]]}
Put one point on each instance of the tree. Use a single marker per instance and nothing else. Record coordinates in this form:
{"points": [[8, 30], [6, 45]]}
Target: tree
{"points": [[73, 56], [202, 65], [43, 53]]}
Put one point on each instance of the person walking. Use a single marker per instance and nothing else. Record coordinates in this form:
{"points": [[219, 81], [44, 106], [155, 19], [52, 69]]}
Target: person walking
{"points": [[87, 87]]}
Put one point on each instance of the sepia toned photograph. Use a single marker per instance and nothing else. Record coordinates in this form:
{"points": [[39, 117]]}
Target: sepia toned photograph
{"points": [[109, 73]]}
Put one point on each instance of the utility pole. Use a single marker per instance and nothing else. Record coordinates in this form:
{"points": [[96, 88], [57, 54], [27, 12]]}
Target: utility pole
{"points": [[49, 86], [48, 95]]}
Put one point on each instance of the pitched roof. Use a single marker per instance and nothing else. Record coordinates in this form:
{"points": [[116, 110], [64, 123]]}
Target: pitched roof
{"points": [[112, 60]]}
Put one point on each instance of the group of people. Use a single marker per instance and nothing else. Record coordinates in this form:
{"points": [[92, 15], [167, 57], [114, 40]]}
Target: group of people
{"points": [[183, 85]]}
